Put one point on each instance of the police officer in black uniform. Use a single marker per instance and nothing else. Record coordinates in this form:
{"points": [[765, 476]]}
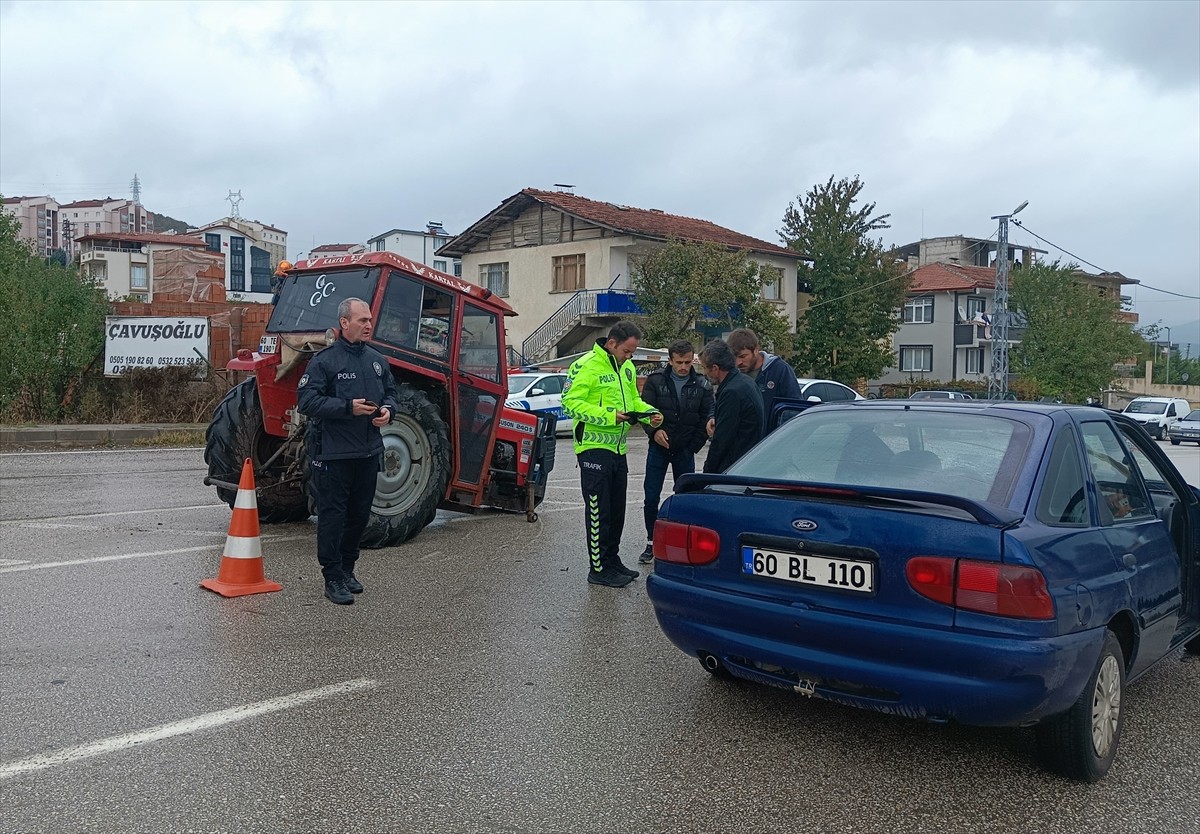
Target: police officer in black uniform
{"points": [[347, 393]]}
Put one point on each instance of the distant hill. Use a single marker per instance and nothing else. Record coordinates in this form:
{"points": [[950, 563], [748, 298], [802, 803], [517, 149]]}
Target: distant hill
{"points": [[163, 223], [1185, 333]]}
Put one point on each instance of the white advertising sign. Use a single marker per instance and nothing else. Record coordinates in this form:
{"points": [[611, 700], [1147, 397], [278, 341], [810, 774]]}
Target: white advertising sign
{"points": [[153, 342]]}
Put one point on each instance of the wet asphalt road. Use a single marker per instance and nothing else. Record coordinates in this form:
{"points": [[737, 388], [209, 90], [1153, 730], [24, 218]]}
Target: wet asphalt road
{"points": [[489, 688]]}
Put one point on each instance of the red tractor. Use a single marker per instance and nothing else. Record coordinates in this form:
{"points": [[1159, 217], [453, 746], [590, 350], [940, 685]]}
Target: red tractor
{"points": [[452, 442]]}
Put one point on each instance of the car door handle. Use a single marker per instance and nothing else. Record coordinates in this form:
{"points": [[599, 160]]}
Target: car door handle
{"points": [[1129, 560]]}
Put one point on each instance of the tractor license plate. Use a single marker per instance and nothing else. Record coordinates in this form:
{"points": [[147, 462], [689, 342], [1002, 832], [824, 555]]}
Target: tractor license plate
{"points": [[268, 344], [810, 569]]}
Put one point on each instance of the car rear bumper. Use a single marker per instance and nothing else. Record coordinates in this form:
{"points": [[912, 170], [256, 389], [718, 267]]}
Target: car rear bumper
{"points": [[915, 671]]}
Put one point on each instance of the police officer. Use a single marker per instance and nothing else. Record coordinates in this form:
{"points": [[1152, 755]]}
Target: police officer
{"points": [[348, 393]]}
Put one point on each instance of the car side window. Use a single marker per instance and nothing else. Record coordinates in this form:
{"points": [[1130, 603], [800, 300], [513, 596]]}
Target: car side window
{"points": [[838, 394], [819, 389], [1122, 493], [1063, 498], [551, 385], [1171, 410]]}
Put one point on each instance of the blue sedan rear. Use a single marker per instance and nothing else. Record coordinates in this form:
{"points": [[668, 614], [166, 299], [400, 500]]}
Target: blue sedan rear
{"points": [[990, 564]]}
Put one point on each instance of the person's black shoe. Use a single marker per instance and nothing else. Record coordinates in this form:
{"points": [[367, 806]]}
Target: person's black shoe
{"points": [[338, 594], [609, 578], [619, 567], [353, 585], [647, 555]]}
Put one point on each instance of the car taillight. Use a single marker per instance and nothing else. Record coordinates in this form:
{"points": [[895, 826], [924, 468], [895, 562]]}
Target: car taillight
{"points": [[686, 544], [986, 587]]}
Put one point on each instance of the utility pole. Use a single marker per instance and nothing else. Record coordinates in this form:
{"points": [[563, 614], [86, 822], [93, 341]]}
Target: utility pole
{"points": [[1168, 379], [998, 381]]}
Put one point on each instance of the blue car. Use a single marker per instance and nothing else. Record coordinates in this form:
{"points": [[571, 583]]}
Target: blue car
{"points": [[996, 564]]}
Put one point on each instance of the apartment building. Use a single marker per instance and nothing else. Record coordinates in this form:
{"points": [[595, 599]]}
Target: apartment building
{"points": [[251, 251], [420, 247], [38, 221]]}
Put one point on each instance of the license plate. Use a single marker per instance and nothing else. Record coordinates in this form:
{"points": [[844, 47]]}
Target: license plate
{"points": [[268, 344], [810, 569]]}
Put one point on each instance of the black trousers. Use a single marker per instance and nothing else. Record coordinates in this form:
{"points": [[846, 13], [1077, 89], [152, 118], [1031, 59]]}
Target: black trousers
{"points": [[603, 476], [345, 489]]}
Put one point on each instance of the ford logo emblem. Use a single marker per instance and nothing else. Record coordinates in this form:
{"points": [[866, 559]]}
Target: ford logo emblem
{"points": [[804, 525]]}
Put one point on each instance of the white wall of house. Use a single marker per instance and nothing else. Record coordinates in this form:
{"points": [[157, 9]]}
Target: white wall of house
{"points": [[416, 246], [227, 234]]}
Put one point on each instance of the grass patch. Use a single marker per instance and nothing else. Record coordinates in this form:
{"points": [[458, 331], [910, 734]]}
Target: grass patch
{"points": [[172, 438]]}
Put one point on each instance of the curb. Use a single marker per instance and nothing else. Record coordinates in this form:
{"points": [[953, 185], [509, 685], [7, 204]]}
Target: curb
{"points": [[51, 437]]}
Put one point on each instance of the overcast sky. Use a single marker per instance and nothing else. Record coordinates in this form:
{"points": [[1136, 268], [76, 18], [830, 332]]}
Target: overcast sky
{"points": [[340, 121]]}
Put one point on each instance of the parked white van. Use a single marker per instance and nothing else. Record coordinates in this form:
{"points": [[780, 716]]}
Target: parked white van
{"points": [[1156, 414]]}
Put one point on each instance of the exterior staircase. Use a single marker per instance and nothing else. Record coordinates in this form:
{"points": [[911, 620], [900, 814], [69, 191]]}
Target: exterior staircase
{"points": [[584, 311]]}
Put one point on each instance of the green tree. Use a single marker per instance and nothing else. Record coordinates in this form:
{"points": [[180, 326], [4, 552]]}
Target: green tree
{"points": [[684, 286], [1072, 337], [857, 287], [51, 328]]}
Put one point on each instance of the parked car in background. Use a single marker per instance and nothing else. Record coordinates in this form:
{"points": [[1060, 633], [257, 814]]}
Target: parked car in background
{"points": [[1157, 414], [540, 391], [1186, 429], [1008, 564], [827, 391], [940, 395]]}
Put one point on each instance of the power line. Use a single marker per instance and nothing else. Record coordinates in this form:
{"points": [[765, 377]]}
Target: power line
{"points": [[1092, 265]]}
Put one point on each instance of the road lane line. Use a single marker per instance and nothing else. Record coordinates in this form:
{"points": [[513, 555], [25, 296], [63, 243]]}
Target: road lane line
{"points": [[119, 556], [178, 728], [102, 451], [109, 515]]}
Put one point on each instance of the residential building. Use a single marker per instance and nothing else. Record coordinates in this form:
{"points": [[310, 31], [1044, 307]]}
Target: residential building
{"points": [[563, 262], [420, 247], [131, 266], [331, 250], [51, 225], [945, 332], [38, 219], [251, 250]]}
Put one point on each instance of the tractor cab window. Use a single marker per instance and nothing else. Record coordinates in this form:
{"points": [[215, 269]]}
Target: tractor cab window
{"points": [[479, 352], [308, 301], [415, 316]]}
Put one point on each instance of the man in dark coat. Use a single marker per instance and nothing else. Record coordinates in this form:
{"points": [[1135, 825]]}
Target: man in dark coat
{"points": [[347, 392], [773, 376], [685, 399], [739, 415]]}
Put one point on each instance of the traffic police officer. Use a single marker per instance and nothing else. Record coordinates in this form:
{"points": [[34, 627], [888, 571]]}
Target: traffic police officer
{"points": [[348, 393]]}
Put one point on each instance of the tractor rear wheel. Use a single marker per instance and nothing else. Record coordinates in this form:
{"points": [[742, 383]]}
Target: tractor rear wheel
{"points": [[236, 433]]}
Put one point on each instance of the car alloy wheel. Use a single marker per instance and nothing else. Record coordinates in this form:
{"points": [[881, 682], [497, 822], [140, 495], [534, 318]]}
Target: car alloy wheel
{"points": [[1106, 706]]}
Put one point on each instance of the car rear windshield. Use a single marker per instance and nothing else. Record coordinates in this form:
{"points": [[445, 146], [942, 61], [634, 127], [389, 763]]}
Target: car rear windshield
{"points": [[308, 301], [1145, 407], [969, 454]]}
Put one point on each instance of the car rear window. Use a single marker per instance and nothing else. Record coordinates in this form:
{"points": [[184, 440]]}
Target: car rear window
{"points": [[969, 454]]}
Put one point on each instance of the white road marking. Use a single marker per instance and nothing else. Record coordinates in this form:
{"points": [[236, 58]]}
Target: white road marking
{"points": [[177, 728], [119, 556], [115, 513], [102, 451], [4, 562]]}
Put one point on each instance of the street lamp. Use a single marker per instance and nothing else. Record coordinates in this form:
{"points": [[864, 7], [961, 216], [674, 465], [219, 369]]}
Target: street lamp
{"points": [[998, 381]]}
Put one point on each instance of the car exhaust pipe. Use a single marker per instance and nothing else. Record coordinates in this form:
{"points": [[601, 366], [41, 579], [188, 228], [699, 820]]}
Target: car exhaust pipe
{"points": [[710, 662]]}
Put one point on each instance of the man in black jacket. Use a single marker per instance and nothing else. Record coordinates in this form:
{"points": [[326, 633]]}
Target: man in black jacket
{"points": [[685, 399], [347, 392], [739, 416]]}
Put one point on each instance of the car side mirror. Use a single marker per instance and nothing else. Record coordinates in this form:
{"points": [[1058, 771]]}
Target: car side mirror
{"points": [[536, 392], [813, 398]]}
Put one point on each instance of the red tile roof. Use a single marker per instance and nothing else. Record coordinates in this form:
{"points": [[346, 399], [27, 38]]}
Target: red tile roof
{"points": [[645, 223], [86, 203], [334, 247], [940, 277], [145, 237]]}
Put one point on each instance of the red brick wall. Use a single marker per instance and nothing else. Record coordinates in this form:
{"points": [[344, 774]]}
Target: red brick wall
{"points": [[231, 326]]}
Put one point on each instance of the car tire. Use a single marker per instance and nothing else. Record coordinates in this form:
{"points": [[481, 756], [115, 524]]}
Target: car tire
{"points": [[1174, 442], [1158, 433], [414, 472], [1082, 742], [235, 433]]}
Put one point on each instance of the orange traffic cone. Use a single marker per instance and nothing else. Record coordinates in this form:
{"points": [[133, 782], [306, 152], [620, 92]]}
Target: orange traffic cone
{"points": [[241, 570]]}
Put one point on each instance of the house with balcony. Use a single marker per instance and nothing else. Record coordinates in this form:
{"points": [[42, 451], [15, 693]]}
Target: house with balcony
{"points": [[563, 262], [945, 332], [133, 266]]}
